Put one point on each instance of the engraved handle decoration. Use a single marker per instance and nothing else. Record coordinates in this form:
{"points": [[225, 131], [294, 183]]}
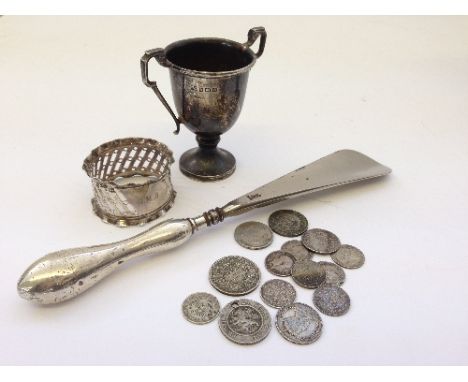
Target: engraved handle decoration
{"points": [[252, 37], [62, 275], [160, 57]]}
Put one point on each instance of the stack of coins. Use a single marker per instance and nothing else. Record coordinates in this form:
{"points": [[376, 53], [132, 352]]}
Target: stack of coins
{"points": [[246, 322]]}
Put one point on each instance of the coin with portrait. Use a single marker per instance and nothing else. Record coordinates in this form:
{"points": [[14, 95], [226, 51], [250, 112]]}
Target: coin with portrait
{"points": [[279, 263], [299, 323]]}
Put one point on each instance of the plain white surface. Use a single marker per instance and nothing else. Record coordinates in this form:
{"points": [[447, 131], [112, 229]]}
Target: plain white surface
{"points": [[394, 88]]}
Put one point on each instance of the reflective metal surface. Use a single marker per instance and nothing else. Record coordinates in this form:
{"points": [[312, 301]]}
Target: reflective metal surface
{"points": [[337, 169], [308, 274], [349, 257], [234, 275], [253, 235], [334, 275], [62, 275], [200, 308], [131, 180], [288, 223], [321, 241], [331, 300], [297, 250], [245, 322], [278, 293], [299, 323], [279, 263], [209, 80]]}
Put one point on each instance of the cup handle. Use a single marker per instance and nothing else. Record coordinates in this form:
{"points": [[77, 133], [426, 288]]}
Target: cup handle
{"points": [[160, 57], [252, 37]]}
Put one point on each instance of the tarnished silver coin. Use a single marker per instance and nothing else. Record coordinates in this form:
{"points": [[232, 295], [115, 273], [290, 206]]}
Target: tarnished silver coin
{"points": [[297, 250], [279, 263], [299, 323], [234, 275], [331, 300], [321, 241], [334, 275], [253, 235], [200, 308], [349, 257], [245, 322], [278, 293], [288, 223], [308, 274]]}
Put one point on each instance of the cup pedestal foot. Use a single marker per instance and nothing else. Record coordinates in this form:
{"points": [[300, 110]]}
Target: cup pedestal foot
{"points": [[207, 162]]}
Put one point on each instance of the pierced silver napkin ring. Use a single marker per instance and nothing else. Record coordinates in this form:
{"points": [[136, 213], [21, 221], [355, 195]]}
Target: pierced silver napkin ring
{"points": [[131, 180]]}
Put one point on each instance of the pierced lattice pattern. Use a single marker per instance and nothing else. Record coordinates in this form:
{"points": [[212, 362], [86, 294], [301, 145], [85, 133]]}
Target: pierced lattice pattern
{"points": [[132, 201], [127, 157]]}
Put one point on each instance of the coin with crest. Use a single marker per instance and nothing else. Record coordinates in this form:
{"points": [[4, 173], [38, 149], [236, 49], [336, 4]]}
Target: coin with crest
{"points": [[279, 263], [288, 223], [297, 250], [321, 241], [331, 300], [253, 235], [299, 323], [278, 293], [245, 322], [349, 257], [200, 308], [234, 275]]}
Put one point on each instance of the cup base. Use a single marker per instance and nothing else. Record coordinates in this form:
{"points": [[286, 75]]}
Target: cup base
{"points": [[207, 165]]}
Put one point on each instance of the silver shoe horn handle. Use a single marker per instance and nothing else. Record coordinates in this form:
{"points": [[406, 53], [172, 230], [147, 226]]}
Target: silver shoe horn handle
{"points": [[62, 275]]}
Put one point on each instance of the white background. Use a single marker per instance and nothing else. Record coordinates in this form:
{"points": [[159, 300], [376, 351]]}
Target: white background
{"points": [[394, 88]]}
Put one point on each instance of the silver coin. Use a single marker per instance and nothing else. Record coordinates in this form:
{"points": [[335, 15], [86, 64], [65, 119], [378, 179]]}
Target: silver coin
{"points": [[200, 308], [279, 263], [299, 323], [349, 257], [245, 322], [308, 274], [234, 275], [331, 300], [253, 235], [321, 241], [297, 250], [278, 293], [288, 223], [334, 275]]}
